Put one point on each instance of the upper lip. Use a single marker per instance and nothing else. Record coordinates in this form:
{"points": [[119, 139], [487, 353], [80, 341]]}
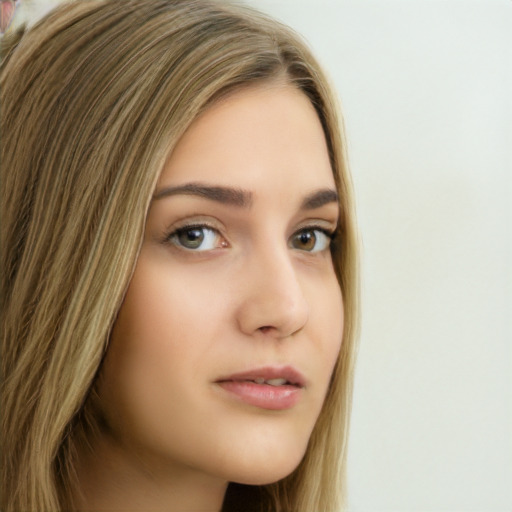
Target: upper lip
{"points": [[289, 373]]}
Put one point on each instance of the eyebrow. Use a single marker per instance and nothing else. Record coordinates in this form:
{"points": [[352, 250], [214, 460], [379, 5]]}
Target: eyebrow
{"points": [[226, 195], [241, 198], [319, 198]]}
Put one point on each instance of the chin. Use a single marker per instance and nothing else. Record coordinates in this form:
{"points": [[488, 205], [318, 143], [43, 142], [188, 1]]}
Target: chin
{"points": [[266, 469]]}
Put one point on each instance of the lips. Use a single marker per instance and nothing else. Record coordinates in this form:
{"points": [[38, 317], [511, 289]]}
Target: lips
{"points": [[269, 375], [272, 388]]}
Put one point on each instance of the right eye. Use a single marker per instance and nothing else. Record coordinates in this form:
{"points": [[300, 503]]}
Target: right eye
{"points": [[196, 238]]}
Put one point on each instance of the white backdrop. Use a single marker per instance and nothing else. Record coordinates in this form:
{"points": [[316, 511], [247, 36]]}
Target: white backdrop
{"points": [[426, 89]]}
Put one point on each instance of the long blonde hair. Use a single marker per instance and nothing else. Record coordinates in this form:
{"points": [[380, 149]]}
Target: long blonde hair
{"points": [[94, 98]]}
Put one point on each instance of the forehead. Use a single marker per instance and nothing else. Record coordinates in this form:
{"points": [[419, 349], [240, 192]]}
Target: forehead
{"points": [[258, 137]]}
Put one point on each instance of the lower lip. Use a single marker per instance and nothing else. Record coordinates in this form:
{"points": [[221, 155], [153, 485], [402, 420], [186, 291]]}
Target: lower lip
{"points": [[264, 396]]}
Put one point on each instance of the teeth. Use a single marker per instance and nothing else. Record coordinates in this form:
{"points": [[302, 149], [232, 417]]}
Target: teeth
{"points": [[276, 382], [271, 382]]}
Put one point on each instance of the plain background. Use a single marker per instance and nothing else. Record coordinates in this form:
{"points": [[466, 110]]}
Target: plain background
{"points": [[426, 92]]}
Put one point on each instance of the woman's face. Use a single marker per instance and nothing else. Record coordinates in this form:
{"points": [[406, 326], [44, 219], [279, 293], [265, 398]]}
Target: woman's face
{"points": [[234, 287]]}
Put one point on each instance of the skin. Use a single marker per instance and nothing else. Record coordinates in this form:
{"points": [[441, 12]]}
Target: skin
{"points": [[250, 295]]}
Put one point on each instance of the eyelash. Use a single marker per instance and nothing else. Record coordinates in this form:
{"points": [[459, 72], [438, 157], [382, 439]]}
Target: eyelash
{"points": [[172, 238]]}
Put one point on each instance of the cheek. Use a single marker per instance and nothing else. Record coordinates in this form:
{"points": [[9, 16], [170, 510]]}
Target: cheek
{"points": [[329, 328], [162, 336], [327, 318], [335, 319], [162, 311]]}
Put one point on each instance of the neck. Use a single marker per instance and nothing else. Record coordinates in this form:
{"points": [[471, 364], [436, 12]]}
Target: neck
{"points": [[112, 478]]}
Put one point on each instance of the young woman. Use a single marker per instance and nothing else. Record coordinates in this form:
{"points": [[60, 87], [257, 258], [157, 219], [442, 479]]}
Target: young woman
{"points": [[179, 285]]}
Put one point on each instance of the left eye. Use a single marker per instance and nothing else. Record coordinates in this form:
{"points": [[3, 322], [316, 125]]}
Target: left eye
{"points": [[311, 240], [196, 238]]}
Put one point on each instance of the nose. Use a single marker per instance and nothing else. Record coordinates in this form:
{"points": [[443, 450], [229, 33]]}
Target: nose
{"points": [[272, 300]]}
